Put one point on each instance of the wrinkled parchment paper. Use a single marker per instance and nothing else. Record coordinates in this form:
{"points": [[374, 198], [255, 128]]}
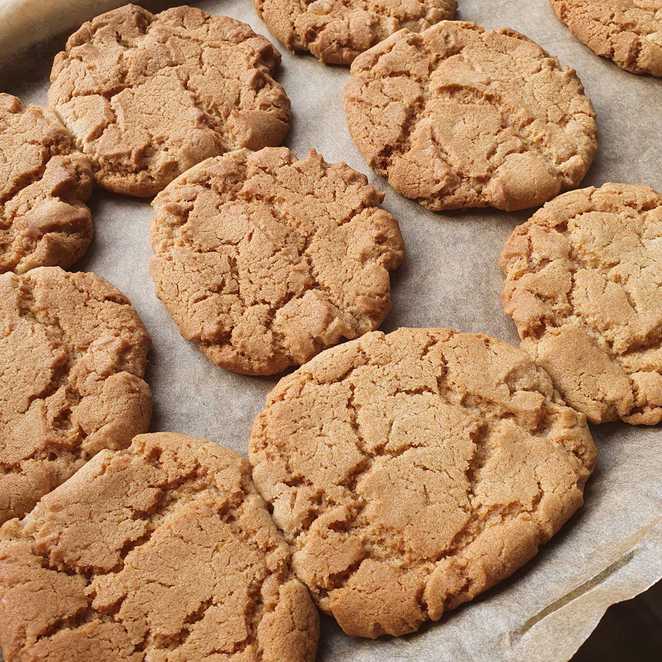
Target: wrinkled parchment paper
{"points": [[609, 552]]}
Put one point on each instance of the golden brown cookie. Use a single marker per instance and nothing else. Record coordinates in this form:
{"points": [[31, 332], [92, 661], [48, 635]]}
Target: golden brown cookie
{"points": [[628, 32], [72, 358], [148, 96], [584, 287], [163, 551], [264, 259], [44, 183], [413, 471], [336, 31], [457, 116]]}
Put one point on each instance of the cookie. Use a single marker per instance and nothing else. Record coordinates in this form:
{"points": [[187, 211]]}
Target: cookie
{"points": [[413, 471], [72, 358], [584, 287], [628, 32], [264, 259], [163, 551], [336, 31], [44, 183], [459, 117], [148, 96]]}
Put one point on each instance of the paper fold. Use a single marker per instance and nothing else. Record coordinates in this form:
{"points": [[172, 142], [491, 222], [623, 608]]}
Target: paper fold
{"points": [[608, 552]]}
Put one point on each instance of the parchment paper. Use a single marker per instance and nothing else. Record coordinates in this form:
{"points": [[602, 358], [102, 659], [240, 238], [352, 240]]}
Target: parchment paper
{"points": [[610, 551]]}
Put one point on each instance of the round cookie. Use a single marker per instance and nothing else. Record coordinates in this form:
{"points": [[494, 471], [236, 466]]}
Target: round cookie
{"points": [[148, 96], [72, 358], [163, 551], [44, 183], [336, 31], [584, 287], [628, 32], [413, 471], [264, 259], [459, 117]]}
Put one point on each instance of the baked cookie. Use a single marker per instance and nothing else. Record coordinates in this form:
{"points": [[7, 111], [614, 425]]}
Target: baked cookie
{"points": [[336, 31], [163, 551], [264, 259], [44, 183], [72, 359], [459, 117], [413, 471], [584, 287], [629, 32], [148, 96]]}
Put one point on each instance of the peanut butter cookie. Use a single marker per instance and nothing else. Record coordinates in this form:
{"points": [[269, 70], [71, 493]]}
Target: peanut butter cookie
{"points": [[336, 31], [72, 358], [264, 259], [457, 116], [413, 471], [584, 287], [628, 32], [44, 183], [163, 551], [148, 96]]}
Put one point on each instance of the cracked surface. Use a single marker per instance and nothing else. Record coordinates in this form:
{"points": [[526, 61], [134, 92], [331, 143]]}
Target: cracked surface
{"points": [[264, 259], [460, 117], [584, 287], [72, 359], [628, 32], [45, 182], [414, 470], [336, 31], [163, 551], [148, 96]]}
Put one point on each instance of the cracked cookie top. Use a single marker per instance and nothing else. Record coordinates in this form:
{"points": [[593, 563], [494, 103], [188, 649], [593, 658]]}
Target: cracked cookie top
{"points": [[264, 259], [457, 117], [628, 32], [336, 31], [148, 96], [72, 358], [163, 551], [44, 183], [584, 287], [412, 471]]}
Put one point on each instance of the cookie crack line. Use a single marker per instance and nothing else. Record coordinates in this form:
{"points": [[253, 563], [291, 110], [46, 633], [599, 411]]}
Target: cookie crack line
{"points": [[464, 537], [136, 147], [44, 220], [182, 490], [625, 34], [344, 29], [295, 251], [389, 79], [335, 443], [583, 271], [86, 353], [478, 459], [61, 375]]}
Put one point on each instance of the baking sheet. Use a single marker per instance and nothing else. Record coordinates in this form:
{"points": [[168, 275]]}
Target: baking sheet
{"points": [[610, 551]]}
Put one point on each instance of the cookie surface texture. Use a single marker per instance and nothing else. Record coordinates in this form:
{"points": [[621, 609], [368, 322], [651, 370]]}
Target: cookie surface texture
{"points": [[44, 184], [72, 358], [458, 117], [148, 96], [163, 551], [336, 31], [584, 287], [628, 32], [412, 471], [264, 259]]}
